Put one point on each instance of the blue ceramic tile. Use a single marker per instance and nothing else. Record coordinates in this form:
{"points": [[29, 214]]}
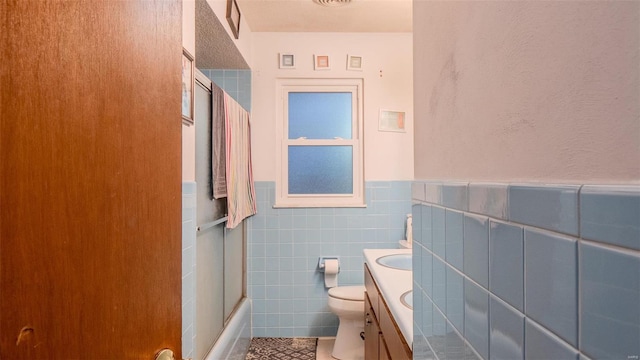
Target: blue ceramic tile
{"points": [[438, 231], [476, 317], [427, 272], [421, 349], [439, 332], [506, 263], [433, 193], [551, 282], [454, 228], [488, 199], [543, 345], [611, 214], [548, 207], [418, 191], [454, 195], [506, 331], [455, 298], [476, 249], [439, 284], [427, 228], [416, 263], [416, 218], [454, 345], [427, 316], [610, 296]]}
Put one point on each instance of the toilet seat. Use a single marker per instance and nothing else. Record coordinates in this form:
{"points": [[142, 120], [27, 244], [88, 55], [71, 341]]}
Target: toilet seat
{"points": [[351, 293]]}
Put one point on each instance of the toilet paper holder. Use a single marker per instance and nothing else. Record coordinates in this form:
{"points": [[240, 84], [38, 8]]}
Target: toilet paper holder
{"points": [[323, 258]]}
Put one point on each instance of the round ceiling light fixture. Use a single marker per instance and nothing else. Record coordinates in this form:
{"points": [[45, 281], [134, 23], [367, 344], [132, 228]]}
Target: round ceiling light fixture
{"points": [[332, 2]]}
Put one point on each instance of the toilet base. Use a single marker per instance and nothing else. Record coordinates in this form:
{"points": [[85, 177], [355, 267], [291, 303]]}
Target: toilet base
{"points": [[349, 345]]}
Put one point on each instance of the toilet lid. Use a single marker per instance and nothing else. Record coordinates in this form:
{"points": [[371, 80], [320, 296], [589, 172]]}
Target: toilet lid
{"points": [[353, 293]]}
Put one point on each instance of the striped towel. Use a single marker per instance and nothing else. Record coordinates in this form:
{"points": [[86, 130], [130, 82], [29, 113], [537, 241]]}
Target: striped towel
{"points": [[241, 193], [218, 168]]}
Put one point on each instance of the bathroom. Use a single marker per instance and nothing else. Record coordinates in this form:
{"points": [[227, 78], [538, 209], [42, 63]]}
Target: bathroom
{"points": [[518, 159], [517, 149], [508, 154]]}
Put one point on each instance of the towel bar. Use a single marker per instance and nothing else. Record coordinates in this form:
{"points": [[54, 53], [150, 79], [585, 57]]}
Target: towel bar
{"points": [[211, 224]]}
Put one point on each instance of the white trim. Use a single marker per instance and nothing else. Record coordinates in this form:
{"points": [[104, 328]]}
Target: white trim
{"points": [[283, 198]]}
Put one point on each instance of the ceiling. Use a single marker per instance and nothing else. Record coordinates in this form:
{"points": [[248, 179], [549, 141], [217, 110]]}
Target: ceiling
{"points": [[308, 16]]}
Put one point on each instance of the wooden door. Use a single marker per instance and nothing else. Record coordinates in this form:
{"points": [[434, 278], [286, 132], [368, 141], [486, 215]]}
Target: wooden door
{"points": [[90, 179]]}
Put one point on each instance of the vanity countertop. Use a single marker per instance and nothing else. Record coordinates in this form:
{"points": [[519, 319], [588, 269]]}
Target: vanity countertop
{"points": [[392, 284]]}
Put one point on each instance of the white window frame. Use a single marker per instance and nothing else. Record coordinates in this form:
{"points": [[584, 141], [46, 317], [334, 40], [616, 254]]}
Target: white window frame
{"points": [[283, 198]]}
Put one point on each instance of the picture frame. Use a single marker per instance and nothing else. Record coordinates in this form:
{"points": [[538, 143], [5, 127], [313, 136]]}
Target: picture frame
{"points": [[321, 62], [287, 61], [233, 17], [354, 62], [187, 87], [390, 120]]}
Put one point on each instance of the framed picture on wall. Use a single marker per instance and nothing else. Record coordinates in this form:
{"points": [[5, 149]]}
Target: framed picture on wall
{"points": [[233, 17], [354, 63], [187, 87], [390, 120], [287, 61], [321, 62]]}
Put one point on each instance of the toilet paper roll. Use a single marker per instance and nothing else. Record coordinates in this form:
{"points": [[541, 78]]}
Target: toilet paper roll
{"points": [[331, 268]]}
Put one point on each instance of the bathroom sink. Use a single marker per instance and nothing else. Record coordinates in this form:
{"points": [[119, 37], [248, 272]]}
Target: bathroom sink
{"points": [[396, 261], [407, 299]]}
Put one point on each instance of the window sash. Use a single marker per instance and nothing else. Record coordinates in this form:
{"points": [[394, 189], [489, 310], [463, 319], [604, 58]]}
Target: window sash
{"points": [[283, 198]]}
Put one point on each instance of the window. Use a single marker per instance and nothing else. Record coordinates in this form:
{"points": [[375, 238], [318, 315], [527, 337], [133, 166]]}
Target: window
{"points": [[320, 161]]}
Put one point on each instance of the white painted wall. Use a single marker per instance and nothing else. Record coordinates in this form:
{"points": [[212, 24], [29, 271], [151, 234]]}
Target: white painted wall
{"points": [[388, 83], [527, 91]]}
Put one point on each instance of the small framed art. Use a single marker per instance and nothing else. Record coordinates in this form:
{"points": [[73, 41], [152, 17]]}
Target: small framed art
{"points": [[187, 87], [391, 121], [354, 63], [287, 61], [233, 17], [321, 62]]}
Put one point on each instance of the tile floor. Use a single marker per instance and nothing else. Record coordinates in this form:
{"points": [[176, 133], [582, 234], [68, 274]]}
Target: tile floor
{"points": [[325, 345]]}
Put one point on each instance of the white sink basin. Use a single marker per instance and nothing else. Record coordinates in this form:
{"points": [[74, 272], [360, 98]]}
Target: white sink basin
{"points": [[396, 261], [407, 299]]}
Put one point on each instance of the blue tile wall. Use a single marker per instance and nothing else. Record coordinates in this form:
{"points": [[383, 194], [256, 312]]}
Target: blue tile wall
{"points": [[543, 345], [506, 331], [284, 245], [610, 305], [236, 83], [610, 215], [546, 271], [551, 287]]}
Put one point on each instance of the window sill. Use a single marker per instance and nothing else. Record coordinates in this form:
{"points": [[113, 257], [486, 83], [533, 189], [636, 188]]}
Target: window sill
{"points": [[329, 205]]}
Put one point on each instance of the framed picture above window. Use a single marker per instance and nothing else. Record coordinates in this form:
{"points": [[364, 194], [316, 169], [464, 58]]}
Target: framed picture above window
{"points": [[321, 62], [354, 63], [287, 61], [320, 154]]}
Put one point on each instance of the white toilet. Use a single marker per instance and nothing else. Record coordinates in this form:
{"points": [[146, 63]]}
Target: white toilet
{"points": [[348, 303]]}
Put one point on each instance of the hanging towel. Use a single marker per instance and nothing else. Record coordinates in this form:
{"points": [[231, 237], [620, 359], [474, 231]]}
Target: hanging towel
{"points": [[218, 157], [241, 193]]}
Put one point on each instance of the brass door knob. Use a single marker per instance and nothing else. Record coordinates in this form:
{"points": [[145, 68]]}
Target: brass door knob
{"points": [[165, 354]]}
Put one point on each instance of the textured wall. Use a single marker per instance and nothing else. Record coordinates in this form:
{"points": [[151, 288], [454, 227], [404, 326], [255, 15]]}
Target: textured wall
{"points": [[543, 91]]}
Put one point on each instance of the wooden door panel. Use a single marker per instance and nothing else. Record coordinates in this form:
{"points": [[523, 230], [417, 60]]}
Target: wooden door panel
{"points": [[90, 183]]}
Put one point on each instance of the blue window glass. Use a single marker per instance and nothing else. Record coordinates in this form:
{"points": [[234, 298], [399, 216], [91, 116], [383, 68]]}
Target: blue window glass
{"points": [[320, 170], [320, 115]]}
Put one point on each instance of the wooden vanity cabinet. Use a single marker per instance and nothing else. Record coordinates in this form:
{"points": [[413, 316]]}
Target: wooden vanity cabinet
{"points": [[382, 336]]}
